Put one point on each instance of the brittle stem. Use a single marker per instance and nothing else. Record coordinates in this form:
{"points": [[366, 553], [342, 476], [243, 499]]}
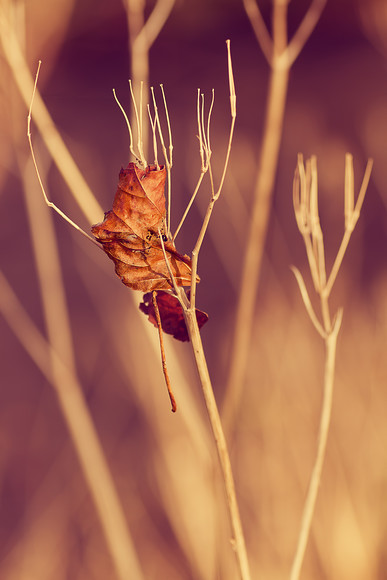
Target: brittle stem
{"points": [[310, 502], [221, 445]]}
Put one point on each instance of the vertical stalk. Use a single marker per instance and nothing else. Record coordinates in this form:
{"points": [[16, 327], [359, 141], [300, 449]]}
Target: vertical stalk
{"points": [[83, 433], [310, 502], [256, 241], [221, 445], [280, 54]]}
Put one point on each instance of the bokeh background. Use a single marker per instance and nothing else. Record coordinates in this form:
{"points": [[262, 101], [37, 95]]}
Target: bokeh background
{"points": [[164, 467]]}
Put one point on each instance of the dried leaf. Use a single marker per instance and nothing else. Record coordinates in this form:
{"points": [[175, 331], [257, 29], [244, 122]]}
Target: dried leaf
{"points": [[130, 237], [171, 314]]}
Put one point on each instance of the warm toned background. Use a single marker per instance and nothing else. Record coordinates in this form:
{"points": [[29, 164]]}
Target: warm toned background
{"points": [[164, 465]]}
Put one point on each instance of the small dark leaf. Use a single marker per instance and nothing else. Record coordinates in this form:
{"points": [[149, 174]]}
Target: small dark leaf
{"points": [[171, 314]]}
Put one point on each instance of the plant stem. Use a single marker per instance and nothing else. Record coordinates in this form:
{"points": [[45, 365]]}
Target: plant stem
{"points": [[310, 502], [221, 445], [255, 244], [280, 55]]}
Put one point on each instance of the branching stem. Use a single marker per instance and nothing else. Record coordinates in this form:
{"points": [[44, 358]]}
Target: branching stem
{"points": [[307, 216]]}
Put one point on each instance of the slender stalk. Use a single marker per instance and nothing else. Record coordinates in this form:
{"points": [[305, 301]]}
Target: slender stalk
{"points": [[308, 221], [81, 427], [255, 243], [162, 351], [53, 141], [221, 445], [280, 54], [325, 418], [194, 334], [142, 34]]}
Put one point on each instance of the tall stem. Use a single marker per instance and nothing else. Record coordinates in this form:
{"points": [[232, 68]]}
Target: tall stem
{"points": [[310, 502], [256, 242], [221, 445]]}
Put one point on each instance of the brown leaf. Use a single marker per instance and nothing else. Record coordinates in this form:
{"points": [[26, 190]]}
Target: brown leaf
{"points": [[129, 233], [140, 201], [171, 314]]}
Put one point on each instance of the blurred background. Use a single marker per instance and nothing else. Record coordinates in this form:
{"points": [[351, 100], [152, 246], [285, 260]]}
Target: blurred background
{"points": [[164, 466]]}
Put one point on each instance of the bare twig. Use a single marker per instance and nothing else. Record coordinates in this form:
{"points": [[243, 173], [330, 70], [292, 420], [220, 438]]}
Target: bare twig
{"points": [[52, 139], [48, 202], [82, 430], [142, 34], [204, 152], [221, 445], [162, 350], [326, 410], [351, 217], [197, 347], [280, 55], [307, 217]]}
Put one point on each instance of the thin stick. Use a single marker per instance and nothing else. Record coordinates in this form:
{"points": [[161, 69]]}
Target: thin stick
{"points": [[154, 138], [48, 202], [81, 428], [205, 156], [307, 302], [205, 380], [142, 34], [163, 359], [307, 217], [215, 195], [169, 162], [253, 254], [280, 59], [131, 146], [326, 411], [52, 139], [138, 119], [221, 445], [350, 224]]}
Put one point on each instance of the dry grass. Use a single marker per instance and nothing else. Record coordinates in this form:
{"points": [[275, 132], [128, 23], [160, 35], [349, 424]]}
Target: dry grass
{"points": [[163, 466]]}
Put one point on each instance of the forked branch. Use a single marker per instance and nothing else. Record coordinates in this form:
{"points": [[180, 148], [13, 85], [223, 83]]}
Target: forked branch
{"points": [[307, 216], [280, 54]]}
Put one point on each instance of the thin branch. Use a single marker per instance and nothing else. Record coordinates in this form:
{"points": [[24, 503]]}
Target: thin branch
{"points": [[307, 302], [315, 480], [205, 159], [51, 137], [256, 236], [138, 118], [173, 279], [142, 34], [81, 428], [197, 347], [215, 196], [304, 31], [349, 191], [221, 445], [154, 138], [348, 232], [329, 331], [162, 350], [155, 23], [131, 146], [261, 32], [280, 60], [47, 201], [168, 161]]}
